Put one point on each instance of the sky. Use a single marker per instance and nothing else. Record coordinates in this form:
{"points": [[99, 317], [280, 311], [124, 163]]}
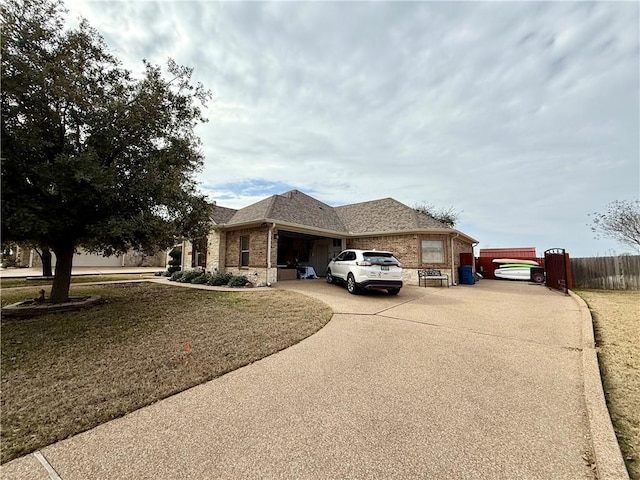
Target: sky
{"points": [[524, 117]]}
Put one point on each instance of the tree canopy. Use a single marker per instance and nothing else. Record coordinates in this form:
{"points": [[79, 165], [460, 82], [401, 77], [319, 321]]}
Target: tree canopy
{"points": [[92, 155], [448, 216], [621, 222]]}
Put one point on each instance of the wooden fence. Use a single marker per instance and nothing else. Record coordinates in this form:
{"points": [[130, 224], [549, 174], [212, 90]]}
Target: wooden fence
{"points": [[609, 273]]}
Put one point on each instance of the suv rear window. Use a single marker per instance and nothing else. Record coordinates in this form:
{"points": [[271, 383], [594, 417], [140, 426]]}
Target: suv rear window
{"points": [[379, 258]]}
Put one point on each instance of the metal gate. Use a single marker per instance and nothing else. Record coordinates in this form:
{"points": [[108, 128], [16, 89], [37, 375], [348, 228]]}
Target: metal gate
{"points": [[558, 268]]}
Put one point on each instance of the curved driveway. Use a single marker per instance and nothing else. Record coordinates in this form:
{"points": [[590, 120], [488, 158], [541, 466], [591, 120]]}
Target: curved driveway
{"points": [[480, 381]]}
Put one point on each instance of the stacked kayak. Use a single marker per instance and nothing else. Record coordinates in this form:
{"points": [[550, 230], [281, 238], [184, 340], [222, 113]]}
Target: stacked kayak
{"points": [[514, 269]]}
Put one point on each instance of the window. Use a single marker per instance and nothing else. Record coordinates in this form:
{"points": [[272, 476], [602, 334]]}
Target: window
{"points": [[380, 258], [432, 251], [244, 251]]}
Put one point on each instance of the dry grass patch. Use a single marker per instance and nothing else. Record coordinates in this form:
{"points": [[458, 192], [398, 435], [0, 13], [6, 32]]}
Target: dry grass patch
{"points": [[616, 316], [23, 282], [68, 372]]}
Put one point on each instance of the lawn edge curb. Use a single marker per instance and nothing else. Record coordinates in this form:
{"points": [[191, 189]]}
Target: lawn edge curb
{"points": [[606, 450], [17, 310]]}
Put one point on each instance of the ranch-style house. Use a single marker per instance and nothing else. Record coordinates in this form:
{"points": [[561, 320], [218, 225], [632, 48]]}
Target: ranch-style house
{"points": [[268, 240]]}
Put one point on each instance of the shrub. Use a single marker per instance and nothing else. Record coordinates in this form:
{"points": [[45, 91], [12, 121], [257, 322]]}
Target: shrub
{"points": [[238, 281], [219, 279], [201, 279], [190, 275], [9, 262], [176, 276], [176, 260]]}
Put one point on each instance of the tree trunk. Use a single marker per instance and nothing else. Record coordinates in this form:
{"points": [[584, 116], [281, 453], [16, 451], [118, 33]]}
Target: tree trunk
{"points": [[45, 256], [62, 279]]}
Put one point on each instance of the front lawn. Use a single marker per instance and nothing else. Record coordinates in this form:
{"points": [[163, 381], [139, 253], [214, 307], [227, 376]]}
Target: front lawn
{"points": [[68, 372], [23, 282], [616, 317]]}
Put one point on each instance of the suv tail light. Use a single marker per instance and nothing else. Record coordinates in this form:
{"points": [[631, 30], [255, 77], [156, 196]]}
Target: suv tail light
{"points": [[364, 263]]}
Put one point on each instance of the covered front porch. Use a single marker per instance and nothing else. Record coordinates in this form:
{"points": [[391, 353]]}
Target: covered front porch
{"points": [[297, 249]]}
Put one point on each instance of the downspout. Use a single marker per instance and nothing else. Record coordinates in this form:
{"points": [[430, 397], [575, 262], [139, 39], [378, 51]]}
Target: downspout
{"points": [[453, 264], [473, 257]]}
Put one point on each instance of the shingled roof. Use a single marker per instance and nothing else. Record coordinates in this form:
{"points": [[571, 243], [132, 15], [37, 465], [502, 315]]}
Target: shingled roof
{"points": [[293, 207], [222, 214], [385, 215], [296, 208]]}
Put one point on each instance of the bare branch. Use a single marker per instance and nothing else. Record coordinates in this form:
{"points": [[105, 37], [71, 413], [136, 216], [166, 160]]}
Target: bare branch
{"points": [[621, 222]]}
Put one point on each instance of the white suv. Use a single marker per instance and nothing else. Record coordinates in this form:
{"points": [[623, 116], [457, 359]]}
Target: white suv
{"points": [[366, 269]]}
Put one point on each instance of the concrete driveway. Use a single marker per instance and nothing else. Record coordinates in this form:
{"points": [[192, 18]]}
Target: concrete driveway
{"points": [[480, 381]]}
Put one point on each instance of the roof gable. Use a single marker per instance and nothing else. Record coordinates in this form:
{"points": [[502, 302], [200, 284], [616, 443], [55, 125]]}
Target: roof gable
{"points": [[385, 215], [293, 207], [301, 209], [255, 212], [222, 214]]}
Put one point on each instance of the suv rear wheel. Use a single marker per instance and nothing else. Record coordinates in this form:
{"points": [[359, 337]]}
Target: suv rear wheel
{"points": [[352, 288]]}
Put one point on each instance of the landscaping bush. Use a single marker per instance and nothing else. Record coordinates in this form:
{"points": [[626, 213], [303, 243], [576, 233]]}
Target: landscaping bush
{"points": [[176, 260], [201, 279], [219, 279], [189, 275], [176, 276], [166, 273], [238, 281]]}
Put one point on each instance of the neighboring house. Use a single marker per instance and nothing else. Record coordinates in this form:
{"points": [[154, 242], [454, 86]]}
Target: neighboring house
{"points": [[266, 241]]}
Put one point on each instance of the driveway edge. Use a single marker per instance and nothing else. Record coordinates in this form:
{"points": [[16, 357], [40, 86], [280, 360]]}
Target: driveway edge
{"points": [[608, 457]]}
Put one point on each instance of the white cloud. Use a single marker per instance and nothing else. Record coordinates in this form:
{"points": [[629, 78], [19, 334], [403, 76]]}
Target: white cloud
{"points": [[522, 115]]}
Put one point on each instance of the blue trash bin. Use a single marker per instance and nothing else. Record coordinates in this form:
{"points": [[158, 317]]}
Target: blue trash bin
{"points": [[465, 273]]}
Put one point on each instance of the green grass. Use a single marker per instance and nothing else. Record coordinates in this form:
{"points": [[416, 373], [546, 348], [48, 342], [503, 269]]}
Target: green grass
{"points": [[616, 316], [68, 372]]}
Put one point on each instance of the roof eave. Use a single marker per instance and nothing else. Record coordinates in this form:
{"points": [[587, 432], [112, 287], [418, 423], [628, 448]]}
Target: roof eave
{"points": [[283, 225], [339, 234], [416, 231]]}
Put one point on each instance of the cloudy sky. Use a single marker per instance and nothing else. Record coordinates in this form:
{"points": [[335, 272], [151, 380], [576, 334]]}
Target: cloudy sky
{"points": [[522, 116]]}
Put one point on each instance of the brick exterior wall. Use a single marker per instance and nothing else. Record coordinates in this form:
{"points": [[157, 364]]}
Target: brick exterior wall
{"points": [[408, 249], [257, 270], [258, 240]]}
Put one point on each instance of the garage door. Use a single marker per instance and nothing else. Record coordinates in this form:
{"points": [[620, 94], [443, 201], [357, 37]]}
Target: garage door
{"points": [[93, 260]]}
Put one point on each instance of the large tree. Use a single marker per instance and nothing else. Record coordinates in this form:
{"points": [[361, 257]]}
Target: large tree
{"points": [[621, 221], [93, 156]]}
